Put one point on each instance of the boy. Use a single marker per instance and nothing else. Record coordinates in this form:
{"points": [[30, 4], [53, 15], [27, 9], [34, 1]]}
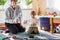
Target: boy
{"points": [[13, 18], [32, 21]]}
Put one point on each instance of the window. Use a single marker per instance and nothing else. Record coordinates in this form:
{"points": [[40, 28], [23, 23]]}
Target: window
{"points": [[2, 2], [50, 3], [53, 4], [24, 4], [57, 4]]}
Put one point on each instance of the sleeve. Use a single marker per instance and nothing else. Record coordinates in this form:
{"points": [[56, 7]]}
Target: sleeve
{"points": [[30, 22], [20, 13], [7, 14], [19, 16]]}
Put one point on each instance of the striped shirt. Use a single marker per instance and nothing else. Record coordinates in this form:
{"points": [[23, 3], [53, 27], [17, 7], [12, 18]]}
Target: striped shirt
{"points": [[12, 15]]}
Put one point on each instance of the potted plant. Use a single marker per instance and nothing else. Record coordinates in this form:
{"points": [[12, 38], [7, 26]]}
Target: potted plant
{"points": [[2, 2], [28, 2]]}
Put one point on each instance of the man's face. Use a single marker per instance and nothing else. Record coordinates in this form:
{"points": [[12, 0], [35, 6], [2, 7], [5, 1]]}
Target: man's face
{"points": [[13, 3]]}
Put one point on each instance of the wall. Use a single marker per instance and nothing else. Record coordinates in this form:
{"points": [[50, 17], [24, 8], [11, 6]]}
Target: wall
{"points": [[39, 4]]}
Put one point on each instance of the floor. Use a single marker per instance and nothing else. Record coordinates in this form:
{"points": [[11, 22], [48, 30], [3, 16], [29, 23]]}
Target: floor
{"points": [[42, 35]]}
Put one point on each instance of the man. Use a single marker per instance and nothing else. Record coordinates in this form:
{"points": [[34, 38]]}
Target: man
{"points": [[13, 18]]}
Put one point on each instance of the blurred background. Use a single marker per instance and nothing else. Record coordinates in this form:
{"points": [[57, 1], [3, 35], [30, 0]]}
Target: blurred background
{"points": [[28, 5]]}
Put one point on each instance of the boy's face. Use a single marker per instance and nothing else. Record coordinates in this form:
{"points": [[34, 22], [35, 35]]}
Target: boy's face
{"points": [[13, 3], [33, 16]]}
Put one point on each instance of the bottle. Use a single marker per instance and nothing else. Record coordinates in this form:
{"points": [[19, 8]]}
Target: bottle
{"points": [[39, 11]]}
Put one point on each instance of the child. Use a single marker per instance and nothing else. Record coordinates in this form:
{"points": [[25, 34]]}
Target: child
{"points": [[13, 18], [32, 21]]}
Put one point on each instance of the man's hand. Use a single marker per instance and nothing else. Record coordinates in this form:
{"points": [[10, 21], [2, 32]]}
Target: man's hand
{"points": [[25, 21], [16, 21]]}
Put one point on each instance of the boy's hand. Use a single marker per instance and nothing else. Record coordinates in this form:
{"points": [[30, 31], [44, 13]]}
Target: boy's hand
{"points": [[34, 24]]}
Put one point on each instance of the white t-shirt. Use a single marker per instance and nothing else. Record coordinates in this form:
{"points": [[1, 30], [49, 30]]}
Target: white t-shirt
{"points": [[32, 20]]}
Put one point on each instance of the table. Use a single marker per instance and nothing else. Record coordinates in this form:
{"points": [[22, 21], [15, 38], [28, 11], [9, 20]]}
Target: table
{"points": [[51, 22]]}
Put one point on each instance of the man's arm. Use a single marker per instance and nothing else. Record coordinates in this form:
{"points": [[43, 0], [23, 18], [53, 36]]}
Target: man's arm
{"points": [[7, 14], [20, 13], [19, 16]]}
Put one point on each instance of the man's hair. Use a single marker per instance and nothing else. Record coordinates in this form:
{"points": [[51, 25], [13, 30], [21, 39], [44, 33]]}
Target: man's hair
{"points": [[14, 0], [33, 13]]}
